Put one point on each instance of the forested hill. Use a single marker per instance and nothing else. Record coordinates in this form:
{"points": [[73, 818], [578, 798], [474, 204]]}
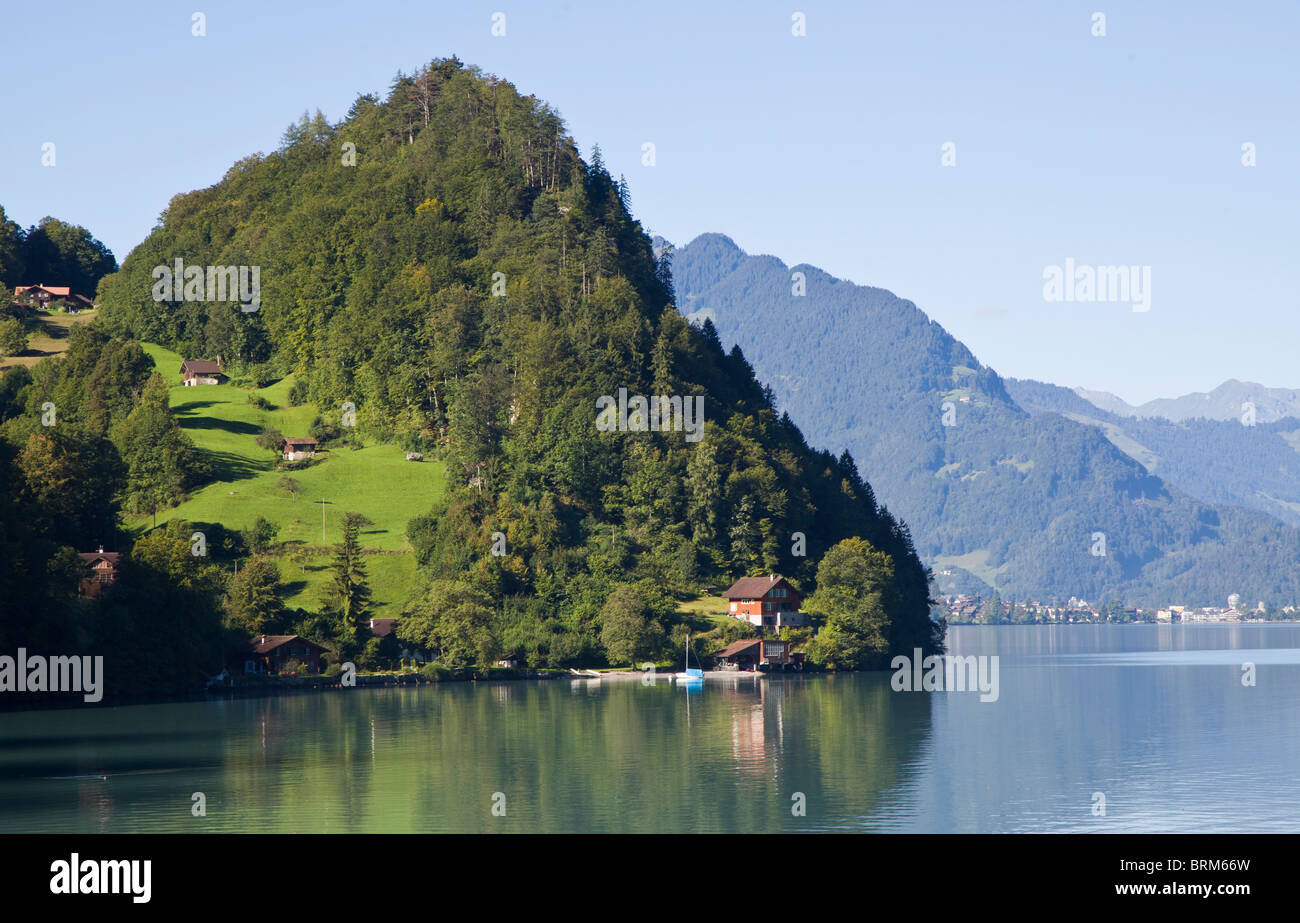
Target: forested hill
{"points": [[990, 491], [445, 262]]}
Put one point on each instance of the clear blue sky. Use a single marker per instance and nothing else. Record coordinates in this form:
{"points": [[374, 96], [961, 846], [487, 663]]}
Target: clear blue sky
{"points": [[823, 149]]}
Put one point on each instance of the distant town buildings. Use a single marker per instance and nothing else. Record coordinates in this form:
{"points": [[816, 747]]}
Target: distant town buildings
{"points": [[973, 610]]}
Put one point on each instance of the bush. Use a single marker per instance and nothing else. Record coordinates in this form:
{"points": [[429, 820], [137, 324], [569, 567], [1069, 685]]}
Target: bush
{"points": [[13, 338], [298, 393], [260, 402], [261, 536], [435, 672], [736, 630], [323, 431], [270, 439], [262, 375]]}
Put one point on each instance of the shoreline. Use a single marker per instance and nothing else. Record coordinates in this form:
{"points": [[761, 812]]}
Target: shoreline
{"points": [[266, 687]]}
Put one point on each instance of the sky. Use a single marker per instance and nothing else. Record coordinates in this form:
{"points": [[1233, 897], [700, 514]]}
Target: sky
{"points": [[827, 148]]}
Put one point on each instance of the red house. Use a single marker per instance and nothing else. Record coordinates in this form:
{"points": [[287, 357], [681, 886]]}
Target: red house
{"points": [[768, 602], [42, 294], [101, 569], [269, 653]]}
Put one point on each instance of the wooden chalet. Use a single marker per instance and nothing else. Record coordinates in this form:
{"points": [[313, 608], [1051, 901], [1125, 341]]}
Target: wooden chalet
{"points": [[200, 372], [384, 627], [296, 448], [768, 602], [42, 293], [101, 571], [268, 654], [758, 654]]}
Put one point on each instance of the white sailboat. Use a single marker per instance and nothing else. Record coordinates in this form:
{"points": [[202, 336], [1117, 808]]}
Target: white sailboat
{"points": [[688, 673]]}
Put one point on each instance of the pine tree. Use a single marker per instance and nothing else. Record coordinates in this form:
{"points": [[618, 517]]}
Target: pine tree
{"points": [[349, 601]]}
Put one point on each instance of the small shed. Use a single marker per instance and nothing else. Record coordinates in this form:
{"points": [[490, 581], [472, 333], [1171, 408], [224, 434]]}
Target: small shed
{"points": [[756, 654], [200, 372], [296, 448]]}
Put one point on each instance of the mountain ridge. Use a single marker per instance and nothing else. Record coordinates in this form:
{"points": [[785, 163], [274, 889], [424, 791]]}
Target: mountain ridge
{"points": [[989, 489]]}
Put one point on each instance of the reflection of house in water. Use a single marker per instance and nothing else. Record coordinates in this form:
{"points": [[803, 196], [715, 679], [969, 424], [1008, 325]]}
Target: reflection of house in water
{"points": [[757, 722]]}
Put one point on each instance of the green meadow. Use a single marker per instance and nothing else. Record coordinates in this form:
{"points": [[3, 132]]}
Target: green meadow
{"points": [[375, 480]]}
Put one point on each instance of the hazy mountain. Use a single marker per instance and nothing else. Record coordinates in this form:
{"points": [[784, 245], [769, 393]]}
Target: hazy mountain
{"points": [[1216, 461], [1111, 403], [989, 489], [1226, 402]]}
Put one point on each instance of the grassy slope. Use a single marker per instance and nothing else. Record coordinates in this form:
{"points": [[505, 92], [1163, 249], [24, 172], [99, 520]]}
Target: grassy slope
{"points": [[375, 480], [50, 337]]}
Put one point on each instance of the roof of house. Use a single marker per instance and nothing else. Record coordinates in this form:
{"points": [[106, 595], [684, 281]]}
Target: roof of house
{"points": [[736, 647], [381, 628], [199, 366], [264, 644], [94, 557], [743, 645], [299, 440], [52, 289], [753, 587]]}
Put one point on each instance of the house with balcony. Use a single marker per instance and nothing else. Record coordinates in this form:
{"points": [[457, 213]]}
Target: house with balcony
{"points": [[766, 602], [101, 572]]}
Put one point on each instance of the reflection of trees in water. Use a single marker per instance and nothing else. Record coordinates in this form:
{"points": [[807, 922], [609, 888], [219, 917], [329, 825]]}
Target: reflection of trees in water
{"points": [[87, 769], [621, 757]]}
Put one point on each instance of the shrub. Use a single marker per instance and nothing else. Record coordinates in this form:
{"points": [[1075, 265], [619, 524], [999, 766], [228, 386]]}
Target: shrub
{"points": [[260, 402], [435, 672], [324, 431], [13, 338]]}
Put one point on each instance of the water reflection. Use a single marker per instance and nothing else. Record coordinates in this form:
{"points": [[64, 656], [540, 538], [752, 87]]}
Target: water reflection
{"points": [[1155, 717]]}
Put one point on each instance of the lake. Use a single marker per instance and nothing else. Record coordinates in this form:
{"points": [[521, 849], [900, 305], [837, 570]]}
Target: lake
{"points": [[1154, 718]]}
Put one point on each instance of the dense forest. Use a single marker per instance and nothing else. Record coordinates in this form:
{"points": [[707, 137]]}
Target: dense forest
{"points": [[444, 262], [52, 252], [997, 496]]}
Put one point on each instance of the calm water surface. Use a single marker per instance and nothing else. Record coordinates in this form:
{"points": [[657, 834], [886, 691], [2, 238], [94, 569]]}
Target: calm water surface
{"points": [[1154, 717]]}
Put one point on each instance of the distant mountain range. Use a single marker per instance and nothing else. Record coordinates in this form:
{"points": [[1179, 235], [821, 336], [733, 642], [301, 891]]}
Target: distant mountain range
{"points": [[1231, 400], [1214, 460], [1030, 488]]}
